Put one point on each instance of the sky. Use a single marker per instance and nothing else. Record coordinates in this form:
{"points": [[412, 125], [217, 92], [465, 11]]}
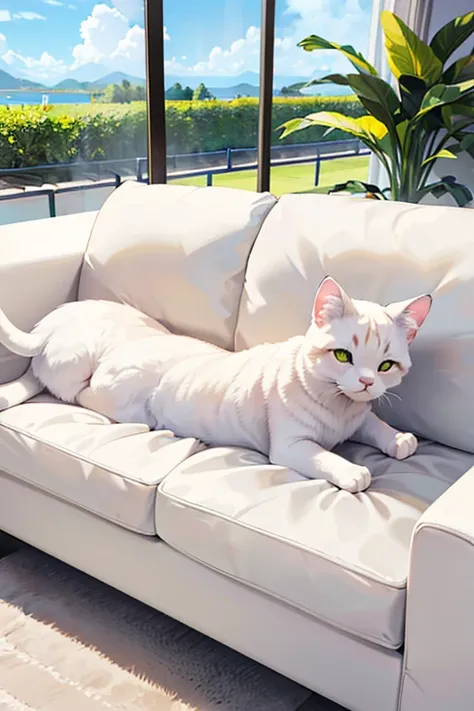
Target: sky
{"points": [[49, 40]]}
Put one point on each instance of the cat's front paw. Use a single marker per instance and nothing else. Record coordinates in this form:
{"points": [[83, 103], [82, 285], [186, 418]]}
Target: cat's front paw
{"points": [[353, 478], [403, 445]]}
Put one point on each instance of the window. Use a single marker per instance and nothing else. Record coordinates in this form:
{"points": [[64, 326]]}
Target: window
{"points": [[309, 161], [212, 56], [72, 104]]}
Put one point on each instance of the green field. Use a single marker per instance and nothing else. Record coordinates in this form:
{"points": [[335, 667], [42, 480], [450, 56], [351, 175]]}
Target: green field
{"points": [[292, 178]]}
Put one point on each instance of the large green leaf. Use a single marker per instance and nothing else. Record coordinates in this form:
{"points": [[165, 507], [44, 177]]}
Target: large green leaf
{"points": [[440, 94], [377, 96], [452, 35], [407, 53], [463, 107], [367, 128], [443, 153], [339, 79], [331, 119], [293, 125], [355, 187], [461, 70], [313, 42], [386, 145], [448, 185], [402, 131], [467, 71], [412, 91], [465, 143], [363, 127]]}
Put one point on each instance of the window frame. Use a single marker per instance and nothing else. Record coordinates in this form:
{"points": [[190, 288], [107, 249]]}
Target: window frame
{"points": [[155, 74]]}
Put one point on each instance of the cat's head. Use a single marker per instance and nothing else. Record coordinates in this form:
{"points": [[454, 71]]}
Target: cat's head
{"points": [[359, 347]]}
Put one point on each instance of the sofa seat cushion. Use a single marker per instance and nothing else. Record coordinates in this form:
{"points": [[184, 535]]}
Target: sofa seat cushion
{"points": [[79, 456], [338, 556]]}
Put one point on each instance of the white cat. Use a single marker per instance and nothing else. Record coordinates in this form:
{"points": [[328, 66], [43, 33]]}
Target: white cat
{"points": [[293, 401]]}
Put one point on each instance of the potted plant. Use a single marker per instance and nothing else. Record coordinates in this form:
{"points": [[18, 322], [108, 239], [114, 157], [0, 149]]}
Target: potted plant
{"points": [[426, 116]]}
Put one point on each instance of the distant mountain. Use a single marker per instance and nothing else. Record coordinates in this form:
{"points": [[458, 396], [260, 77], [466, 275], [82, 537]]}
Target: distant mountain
{"points": [[224, 82], [89, 72], [8, 81], [115, 78], [222, 87], [71, 85], [111, 78]]}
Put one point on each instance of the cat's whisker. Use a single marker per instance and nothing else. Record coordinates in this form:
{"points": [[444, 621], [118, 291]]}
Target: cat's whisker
{"points": [[395, 395], [384, 397]]}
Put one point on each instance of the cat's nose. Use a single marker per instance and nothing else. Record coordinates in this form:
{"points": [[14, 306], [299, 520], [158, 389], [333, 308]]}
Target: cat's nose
{"points": [[366, 381]]}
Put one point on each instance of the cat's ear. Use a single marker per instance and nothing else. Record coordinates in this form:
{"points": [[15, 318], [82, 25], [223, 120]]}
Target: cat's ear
{"points": [[410, 314], [330, 303]]}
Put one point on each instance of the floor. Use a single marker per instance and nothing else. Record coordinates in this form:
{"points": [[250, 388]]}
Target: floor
{"points": [[9, 544]]}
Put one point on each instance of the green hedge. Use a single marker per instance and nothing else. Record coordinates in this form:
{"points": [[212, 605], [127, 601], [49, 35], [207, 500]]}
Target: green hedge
{"points": [[30, 136], [212, 125]]}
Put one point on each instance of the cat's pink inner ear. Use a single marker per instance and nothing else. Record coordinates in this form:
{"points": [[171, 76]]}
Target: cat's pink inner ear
{"points": [[411, 314], [418, 311], [329, 288]]}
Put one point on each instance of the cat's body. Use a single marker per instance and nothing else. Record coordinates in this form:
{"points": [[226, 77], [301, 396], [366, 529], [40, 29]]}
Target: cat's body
{"points": [[288, 400]]}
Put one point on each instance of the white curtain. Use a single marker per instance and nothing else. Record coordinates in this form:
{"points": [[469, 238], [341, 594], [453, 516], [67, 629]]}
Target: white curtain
{"points": [[416, 14]]}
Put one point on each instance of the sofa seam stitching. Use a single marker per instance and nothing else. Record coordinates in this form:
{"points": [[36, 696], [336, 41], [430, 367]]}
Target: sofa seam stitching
{"points": [[61, 497], [347, 630], [290, 543], [82, 458]]}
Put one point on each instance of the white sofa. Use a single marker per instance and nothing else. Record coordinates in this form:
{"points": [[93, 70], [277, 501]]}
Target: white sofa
{"points": [[366, 599]]}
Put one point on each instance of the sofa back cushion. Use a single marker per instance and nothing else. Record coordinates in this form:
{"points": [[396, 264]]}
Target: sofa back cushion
{"points": [[177, 253], [378, 251]]}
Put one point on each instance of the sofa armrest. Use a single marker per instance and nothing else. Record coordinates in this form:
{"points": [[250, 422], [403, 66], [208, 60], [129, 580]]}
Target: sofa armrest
{"points": [[439, 641], [40, 262]]}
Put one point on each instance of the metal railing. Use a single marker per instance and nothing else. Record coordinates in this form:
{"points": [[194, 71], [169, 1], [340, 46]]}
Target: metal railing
{"points": [[179, 166]]}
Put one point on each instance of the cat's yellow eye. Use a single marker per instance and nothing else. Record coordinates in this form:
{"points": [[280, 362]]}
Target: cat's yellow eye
{"points": [[386, 365], [342, 355]]}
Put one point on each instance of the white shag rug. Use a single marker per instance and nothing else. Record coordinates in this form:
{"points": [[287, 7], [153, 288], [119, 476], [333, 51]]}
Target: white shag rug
{"points": [[71, 643]]}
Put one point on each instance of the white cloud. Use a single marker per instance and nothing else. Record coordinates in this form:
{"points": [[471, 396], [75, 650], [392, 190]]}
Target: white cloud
{"points": [[72, 7], [131, 9], [243, 54], [42, 69], [3, 43], [28, 16], [9, 56], [109, 37], [345, 22], [101, 33], [132, 46]]}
